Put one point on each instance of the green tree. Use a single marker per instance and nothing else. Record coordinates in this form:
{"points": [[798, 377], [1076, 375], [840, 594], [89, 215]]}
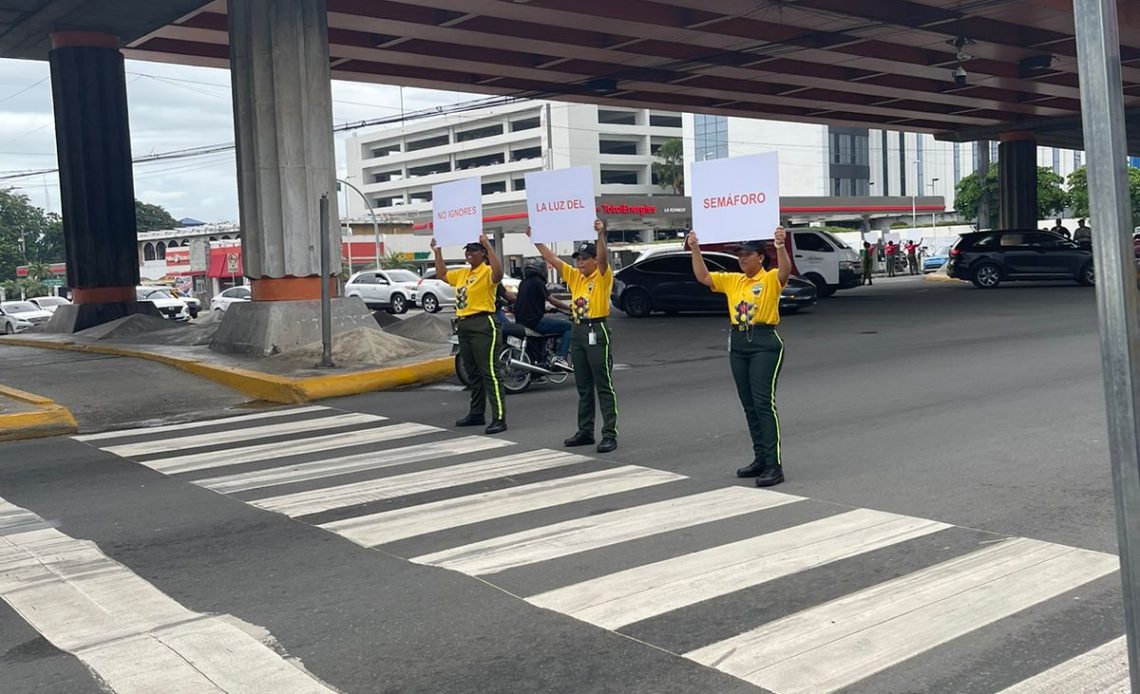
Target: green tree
{"points": [[1079, 192], [670, 171], [26, 233], [1051, 195], [153, 217], [394, 261], [39, 271]]}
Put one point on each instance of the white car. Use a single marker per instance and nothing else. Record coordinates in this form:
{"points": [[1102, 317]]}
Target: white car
{"points": [[49, 303], [18, 316], [234, 294], [393, 290], [167, 305], [436, 292]]}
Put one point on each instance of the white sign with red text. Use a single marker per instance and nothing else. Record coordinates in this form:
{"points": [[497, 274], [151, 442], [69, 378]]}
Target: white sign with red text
{"points": [[736, 199], [457, 212], [560, 204]]}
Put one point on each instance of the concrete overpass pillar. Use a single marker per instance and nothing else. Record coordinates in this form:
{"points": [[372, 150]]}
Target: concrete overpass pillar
{"points": [[1017, 180], [282, 93], [97, 195]]}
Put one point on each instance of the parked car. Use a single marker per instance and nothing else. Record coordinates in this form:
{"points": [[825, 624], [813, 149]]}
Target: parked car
{"points": [[232, 295], [18, 316], [664, 281], [988, 258], [936, 260], [192, 305], [167, 305], [49, 303], [393, 290], [444, 293], [817, 255]]}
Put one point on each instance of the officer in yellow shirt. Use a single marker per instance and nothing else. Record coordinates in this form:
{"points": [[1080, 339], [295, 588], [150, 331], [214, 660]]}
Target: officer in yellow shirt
{"points": [[590, 281], [756, 352], [480, 336]]}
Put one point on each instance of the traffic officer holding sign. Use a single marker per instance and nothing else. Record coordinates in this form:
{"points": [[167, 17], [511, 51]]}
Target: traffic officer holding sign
{"points": [[590, 283], [480, 337], [756, 352]]}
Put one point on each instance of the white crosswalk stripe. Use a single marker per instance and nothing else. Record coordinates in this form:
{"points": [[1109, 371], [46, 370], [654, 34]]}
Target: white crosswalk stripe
{"points": [[821, 648], [389, 526], [1103, 670], [147, 431], [218, 438], [629, 596], [135, 638], [581, 534]]}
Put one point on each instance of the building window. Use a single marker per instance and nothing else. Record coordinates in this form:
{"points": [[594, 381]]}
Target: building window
{"points": [[429, 169], [384, 150], [394, 201], [862, 186], [518, 183], [664, 121], [1056, 161], [525, 124], [957, 162], [476, 162], [160, 251], [608, 117], [1076, 159], [526, 153], [148, 251], [385, 176], [495, 187], [710, 135], [619, 177], [616, 147], [429, 142], [479, 133], [995, 151], [419, 196]]}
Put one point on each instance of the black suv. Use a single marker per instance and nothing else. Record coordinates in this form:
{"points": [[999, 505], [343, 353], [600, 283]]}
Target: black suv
{"points": [[988, 258]]}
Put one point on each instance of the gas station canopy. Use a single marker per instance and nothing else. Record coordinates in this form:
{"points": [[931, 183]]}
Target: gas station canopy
{"points": [[887, 63]]}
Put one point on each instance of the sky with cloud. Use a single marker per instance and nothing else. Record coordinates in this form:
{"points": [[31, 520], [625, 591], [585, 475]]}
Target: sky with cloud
{"points": [[172, 107]]}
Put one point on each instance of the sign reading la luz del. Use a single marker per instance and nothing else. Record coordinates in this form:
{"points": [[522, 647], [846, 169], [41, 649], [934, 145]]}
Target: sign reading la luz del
{"points": [[736, 199], [560, 204], [457, 212]]}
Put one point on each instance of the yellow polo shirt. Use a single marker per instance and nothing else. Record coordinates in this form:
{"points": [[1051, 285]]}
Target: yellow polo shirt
{"points": [[474, 290], [751, 300], [589, 296]]}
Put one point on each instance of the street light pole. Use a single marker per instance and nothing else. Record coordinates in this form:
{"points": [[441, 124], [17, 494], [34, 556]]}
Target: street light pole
{"points": [[375, 225], [933, 222]]}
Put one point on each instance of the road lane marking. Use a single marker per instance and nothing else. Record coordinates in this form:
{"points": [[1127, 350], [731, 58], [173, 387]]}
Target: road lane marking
{"points": [[279, 449], [217, 438], [646, 591], [134, 637], [1103, 670], [389, 526], [831, 646], [143, 431], [373, 460], [318, 500], [581, 534]]}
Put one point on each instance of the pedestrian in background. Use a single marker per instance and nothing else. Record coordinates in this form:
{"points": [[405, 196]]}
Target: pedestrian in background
{"points": [[1083, 234], [912, 257], [892, 252], [480, 334], [590, 282], [867, 255], [756, 352], [1059, 228]]}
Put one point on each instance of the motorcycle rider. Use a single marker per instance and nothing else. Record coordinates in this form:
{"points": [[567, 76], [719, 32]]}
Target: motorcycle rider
{"points": [[530, 309]]}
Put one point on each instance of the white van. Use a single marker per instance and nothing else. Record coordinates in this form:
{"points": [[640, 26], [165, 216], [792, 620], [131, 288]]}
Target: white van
{"points": [[825, 259]]}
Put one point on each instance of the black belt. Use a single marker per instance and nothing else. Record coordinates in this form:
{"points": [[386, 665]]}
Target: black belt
{"points": [[744, 327], [589, 321], [476, 315]]}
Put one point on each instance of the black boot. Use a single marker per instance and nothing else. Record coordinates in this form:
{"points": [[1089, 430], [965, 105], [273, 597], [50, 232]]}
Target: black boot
{"points": [[579, 439], [608, 444], [771, 477], [471, 420], [496, 426], [752, 470]]}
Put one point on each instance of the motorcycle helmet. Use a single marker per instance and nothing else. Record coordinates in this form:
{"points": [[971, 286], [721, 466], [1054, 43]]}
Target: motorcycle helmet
{"points": [[534, 267]]}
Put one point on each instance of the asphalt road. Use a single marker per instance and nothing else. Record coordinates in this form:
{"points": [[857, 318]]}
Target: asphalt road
{"points": [[907, 401]]}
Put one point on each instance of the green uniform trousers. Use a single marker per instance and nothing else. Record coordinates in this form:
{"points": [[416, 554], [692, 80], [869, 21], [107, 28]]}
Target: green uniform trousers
{"points": [[756, 357], [593, 373], [480, 341]]}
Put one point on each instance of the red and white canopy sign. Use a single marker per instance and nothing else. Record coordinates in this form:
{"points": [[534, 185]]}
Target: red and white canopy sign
{"points": [[560, 204], [736, 199], [457, 211]]}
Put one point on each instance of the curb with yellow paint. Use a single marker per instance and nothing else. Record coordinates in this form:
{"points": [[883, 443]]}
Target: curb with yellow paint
{"points": [[47, 417], [272, 387]]}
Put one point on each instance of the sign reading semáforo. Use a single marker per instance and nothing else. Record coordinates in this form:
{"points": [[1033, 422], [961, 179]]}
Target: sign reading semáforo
{"points": [[560, 204], [736, 199]]}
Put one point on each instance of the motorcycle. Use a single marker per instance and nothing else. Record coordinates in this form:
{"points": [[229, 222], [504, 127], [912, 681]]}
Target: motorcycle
{"points": [[527, 358]]}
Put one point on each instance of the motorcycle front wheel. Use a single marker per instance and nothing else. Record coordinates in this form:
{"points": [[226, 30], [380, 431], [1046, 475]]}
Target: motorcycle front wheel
{"points": [[514, 380]]}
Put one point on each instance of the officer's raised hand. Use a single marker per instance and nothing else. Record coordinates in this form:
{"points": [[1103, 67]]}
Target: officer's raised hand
{"points": [[781, 236], [598, 226], [692, 242]]}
